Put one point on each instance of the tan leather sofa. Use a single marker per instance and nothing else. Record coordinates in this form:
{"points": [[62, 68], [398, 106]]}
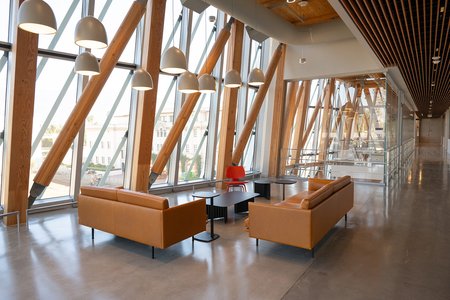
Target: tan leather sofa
{"points": [[303, 219], [140, 217]]}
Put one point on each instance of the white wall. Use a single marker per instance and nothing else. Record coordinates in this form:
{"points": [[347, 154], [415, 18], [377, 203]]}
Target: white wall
{"points": [[446, 137], [341, 58]]}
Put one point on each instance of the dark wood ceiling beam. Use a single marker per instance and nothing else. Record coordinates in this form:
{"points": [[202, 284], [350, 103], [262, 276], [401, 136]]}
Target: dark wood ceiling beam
{"points": [[443, 68], [363, 29], [408, 72]]}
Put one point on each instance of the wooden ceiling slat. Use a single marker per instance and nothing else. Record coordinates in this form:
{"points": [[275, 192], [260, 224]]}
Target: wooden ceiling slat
{"points": [[356, 17], [392, 44], [443, 68], [406, 33]]}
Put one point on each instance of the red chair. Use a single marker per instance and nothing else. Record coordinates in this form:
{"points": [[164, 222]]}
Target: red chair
{"points": [[234, 173]]}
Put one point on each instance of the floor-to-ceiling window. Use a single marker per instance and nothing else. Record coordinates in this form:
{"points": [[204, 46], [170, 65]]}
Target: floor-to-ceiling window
{"points": [[4, 26]]}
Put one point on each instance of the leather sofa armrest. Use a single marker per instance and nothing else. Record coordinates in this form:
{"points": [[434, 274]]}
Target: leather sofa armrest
{"points": [[291, 226], [183, 221]]}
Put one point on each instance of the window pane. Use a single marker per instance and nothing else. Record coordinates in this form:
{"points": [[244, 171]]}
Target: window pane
{"points": [[4, 20], [194, 141], [53, 104], [66, 12], [3, 71], [171, 25], [114, 13], [105, 133], [202, 36], [165, 105]]}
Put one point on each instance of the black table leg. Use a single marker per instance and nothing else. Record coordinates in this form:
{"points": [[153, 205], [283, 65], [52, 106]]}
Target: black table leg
{"points": [[205, 236]]}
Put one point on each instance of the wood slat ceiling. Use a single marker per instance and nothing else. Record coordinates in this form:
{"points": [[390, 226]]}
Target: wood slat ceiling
{"points": [[317, 11], [407, 34]]}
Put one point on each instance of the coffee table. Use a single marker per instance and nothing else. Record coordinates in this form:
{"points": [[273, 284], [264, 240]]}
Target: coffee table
{"points": [[219, 208], [284, 181]]}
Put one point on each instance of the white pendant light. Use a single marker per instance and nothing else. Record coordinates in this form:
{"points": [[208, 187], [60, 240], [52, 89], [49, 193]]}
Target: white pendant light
{"points": [[173, 61], [188, 83], [256, 77], [86, 64], [207, 84], [36, 16], [233, 79], [90, 33], [141, 80]]}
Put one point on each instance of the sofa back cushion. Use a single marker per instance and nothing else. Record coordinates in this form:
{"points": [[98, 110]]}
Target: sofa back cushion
{"points": [[315, 184], [317, 197], [341, 182], [99, 192], [142, 199]]}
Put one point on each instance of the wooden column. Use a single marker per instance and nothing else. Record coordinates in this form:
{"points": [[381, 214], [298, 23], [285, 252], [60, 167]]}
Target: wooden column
{"points": [[326, 116], [16, 169], [277, 119], [86, 101], [188, 106], [292, 102], [228, 121], [146, 105], [257, 103], [302, 111]]}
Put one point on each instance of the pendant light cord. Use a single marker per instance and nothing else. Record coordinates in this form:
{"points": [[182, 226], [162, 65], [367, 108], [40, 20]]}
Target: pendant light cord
{"points": [[173, 23]]}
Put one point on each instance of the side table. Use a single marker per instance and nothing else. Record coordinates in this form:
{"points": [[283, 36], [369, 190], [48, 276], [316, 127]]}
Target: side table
{"points": [[207, 236]]}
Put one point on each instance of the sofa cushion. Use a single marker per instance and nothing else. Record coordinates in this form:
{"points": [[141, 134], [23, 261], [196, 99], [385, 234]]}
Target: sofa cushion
{"points": [[99, 192], [341, 182], [141, 199], [297, 198], [317, 197], [316, 183], [288, 204]]}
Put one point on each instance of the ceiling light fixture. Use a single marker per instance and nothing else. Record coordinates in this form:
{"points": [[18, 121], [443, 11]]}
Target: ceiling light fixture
{"points": [[436, 61], [86, 64], [36, 16], [256, 77], [233, 79], [290, 1], [437, 57], [207, 84], [173, 61], [141, 80], [188, 83], [90, 33]]}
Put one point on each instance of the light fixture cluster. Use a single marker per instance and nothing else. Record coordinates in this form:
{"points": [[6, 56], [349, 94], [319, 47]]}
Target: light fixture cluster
{"points": [[36, 16]]}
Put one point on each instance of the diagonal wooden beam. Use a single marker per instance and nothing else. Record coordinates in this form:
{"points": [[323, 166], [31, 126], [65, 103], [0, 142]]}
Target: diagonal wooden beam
{"points": [[188, 106], [86, 101], [230, 99], [146, 103], [326, 117], [16, 169], [257, 103], [291, 108], [301, 117], [312, 121]]}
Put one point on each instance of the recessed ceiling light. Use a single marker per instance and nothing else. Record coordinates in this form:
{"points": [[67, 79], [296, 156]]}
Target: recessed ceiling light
{"points": [[432, 84], [290, 1], [442, 9]]}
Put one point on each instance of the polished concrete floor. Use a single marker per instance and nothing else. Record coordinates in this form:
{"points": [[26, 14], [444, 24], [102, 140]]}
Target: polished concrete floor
{"points": [[396, 246]]}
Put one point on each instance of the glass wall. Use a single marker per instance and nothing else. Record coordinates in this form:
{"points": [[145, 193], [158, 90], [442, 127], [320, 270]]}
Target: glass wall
{"points": [[3, 82]]}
